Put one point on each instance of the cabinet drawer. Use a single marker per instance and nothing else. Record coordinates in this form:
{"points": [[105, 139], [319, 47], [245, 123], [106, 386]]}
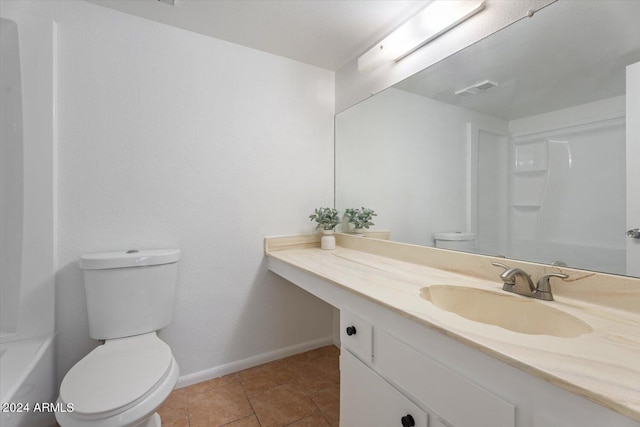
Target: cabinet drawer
{"points": [[457, 400], [368, 400], [356, 335]]}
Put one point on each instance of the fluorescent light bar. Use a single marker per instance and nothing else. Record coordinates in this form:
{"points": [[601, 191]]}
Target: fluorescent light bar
{"points": [[432, 21]]}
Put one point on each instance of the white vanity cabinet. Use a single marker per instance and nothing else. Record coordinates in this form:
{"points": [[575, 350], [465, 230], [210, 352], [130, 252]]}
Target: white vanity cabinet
{"points": [[393, 366], [381, 377]]}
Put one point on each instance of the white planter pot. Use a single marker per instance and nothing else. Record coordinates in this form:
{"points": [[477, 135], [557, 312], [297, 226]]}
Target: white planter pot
{"points": [[328, 240]]}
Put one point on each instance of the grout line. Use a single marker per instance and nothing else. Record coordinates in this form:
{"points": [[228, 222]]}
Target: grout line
{"points": [[246, 395], [240, 419]]}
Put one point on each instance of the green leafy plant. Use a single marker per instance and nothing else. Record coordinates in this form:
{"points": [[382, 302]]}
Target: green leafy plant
{"points": [[360, 218], [327, 218]]}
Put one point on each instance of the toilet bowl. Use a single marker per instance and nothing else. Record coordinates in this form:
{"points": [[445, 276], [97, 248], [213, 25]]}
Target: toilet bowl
{"points": [[122, 382]]}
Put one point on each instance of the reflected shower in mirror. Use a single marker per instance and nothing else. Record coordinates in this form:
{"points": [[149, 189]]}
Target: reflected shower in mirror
{"points": [[517, 141]]}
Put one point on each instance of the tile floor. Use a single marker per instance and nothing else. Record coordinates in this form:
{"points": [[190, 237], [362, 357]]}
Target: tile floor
{"points": [[297, 391]]}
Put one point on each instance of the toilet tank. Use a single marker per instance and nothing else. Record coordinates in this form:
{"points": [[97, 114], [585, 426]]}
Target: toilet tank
{"points": [[456, 241], [129, 292]]}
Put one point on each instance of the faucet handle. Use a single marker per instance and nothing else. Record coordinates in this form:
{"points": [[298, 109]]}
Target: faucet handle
{"points": [[497, 264], [545, 286], [508, 283]]}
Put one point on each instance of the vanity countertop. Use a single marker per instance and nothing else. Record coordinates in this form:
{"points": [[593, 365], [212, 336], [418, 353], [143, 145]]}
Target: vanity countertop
{"points": [[603, 365]]}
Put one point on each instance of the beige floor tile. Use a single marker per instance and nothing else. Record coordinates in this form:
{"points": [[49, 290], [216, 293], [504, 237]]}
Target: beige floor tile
{"points": [[327, 351], [330, 351], [251, 421], [266, 376], [173, 410], [177, 399], [328, 401], [316, 375], [281, 405], [210, 384], [182, 422], [301, 390], [218, 406], [315, 420], [300, 357]]}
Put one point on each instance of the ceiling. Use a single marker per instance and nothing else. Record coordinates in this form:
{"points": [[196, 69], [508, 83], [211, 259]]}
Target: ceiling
{"points": [[570, 53], [324, 33]]}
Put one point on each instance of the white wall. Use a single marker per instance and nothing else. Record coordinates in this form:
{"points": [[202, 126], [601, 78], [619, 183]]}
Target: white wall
{"points": [[405, 156], [353, 86], [172, 139]]}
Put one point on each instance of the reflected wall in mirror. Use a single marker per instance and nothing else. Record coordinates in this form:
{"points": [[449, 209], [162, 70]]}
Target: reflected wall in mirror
{"points": [[518, 140]]}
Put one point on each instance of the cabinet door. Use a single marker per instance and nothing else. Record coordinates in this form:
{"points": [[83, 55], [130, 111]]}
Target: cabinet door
{"points": [[457, 400], [368, 400]]}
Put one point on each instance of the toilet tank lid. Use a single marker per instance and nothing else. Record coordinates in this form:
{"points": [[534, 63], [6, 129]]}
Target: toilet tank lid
{"points": [[454, 236], [128, 258]]}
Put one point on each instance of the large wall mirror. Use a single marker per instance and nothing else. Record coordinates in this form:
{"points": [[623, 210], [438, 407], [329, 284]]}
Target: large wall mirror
{"points": [[518, 142]]}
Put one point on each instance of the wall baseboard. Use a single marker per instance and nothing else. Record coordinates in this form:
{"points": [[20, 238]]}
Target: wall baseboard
{"points": [[250, 362]]}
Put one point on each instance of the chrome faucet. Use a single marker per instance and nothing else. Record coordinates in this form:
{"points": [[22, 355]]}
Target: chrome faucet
{"points": [[519, 282], [543, 290], [516, 280]]}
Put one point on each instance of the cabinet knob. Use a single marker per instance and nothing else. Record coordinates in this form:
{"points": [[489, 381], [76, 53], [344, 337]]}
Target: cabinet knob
{"points": [[408, 421], [351, 330]]}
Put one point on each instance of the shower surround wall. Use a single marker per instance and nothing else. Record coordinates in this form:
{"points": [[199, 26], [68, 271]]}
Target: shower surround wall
{"points": [[11, 177], [27, 174], [27, 231], [568, 186], [168, 138]]}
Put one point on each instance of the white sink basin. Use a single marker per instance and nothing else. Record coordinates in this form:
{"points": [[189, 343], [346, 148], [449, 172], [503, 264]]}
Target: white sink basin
{"points": [[518, 314]]}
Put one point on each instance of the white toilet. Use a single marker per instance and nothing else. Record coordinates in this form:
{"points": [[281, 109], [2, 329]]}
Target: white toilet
{"points": [[456, 241], [130, 295]]}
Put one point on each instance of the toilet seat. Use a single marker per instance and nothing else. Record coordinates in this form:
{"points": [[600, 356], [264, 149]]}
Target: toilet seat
{"points": [[117, 376]]}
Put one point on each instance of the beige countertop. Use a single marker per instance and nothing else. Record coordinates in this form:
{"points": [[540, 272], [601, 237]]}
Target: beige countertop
{"points": [[603, 365]]}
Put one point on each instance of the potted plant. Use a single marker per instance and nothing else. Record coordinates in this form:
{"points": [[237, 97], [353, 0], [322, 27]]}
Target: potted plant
{"points": [[327, 219], [360, 218]]}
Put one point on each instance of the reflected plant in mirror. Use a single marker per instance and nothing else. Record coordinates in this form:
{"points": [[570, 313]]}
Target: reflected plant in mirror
{"points": [[520, 140], [360, 218]]}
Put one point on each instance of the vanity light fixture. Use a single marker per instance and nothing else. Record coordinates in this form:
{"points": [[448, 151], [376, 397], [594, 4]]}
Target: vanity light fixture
{"points": [[434, 20]]}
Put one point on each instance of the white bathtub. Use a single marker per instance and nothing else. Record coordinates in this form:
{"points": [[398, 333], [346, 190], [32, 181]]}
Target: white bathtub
{"points": [[25, 378]]}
